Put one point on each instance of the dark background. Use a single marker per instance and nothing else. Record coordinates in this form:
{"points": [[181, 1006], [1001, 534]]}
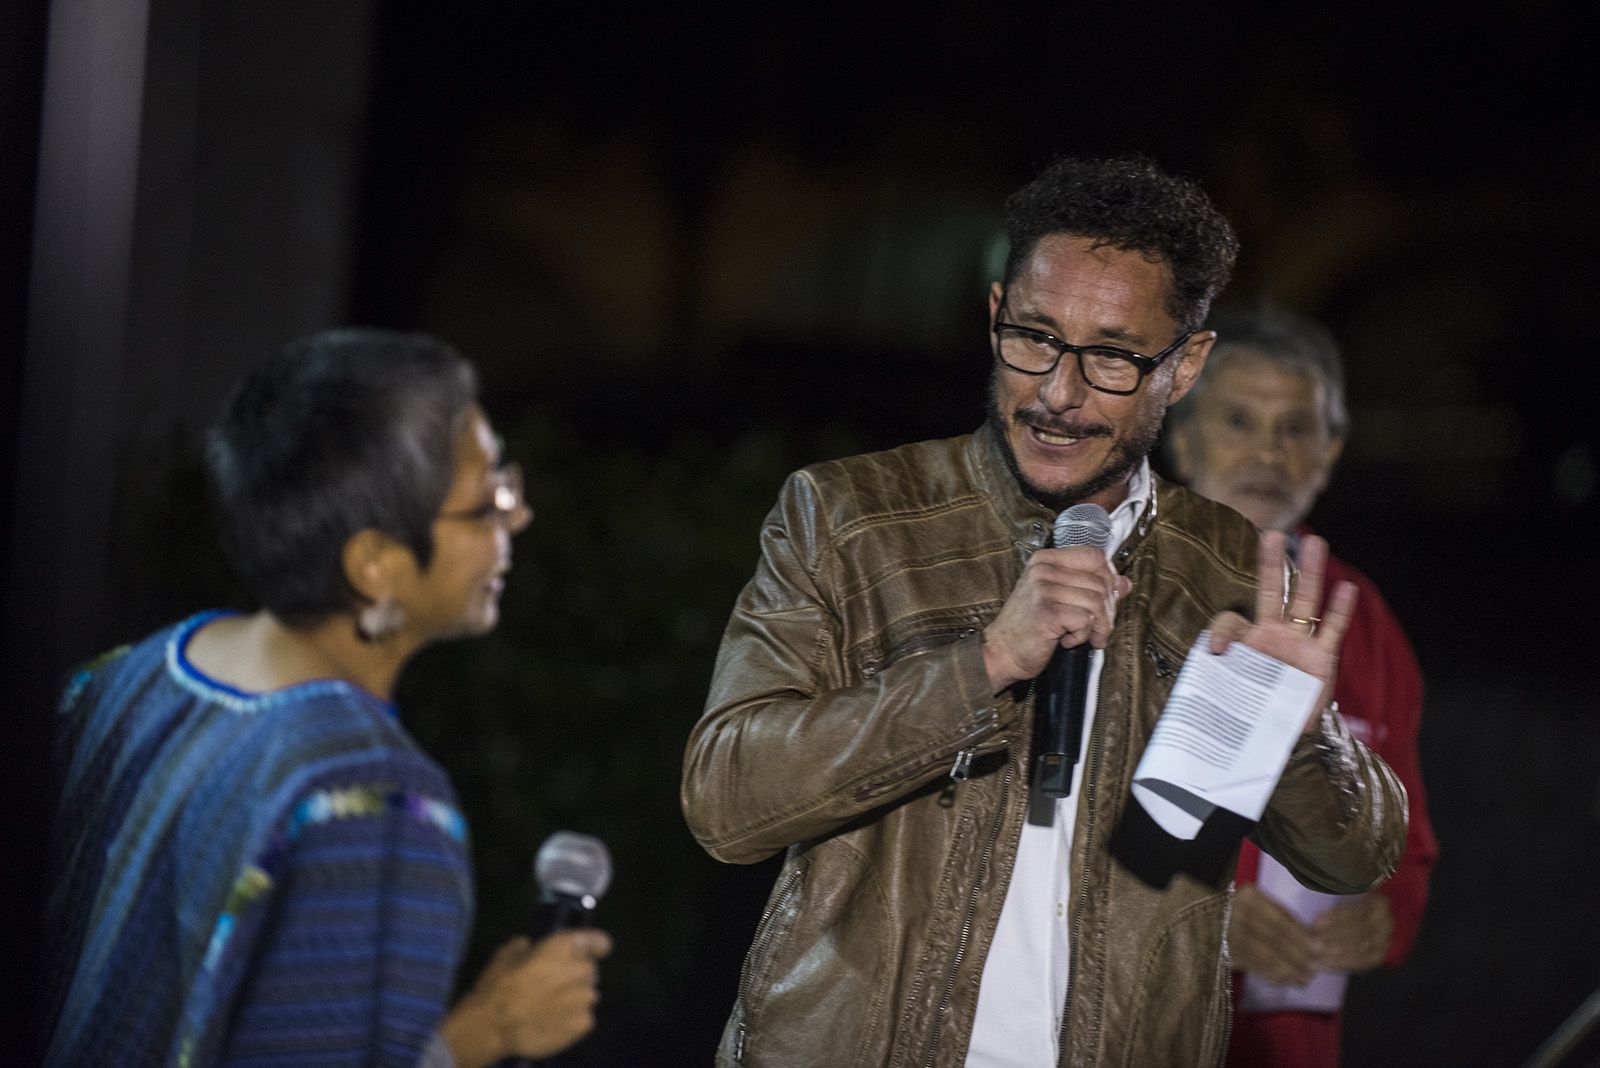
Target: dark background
{"points": [[690, 254]]}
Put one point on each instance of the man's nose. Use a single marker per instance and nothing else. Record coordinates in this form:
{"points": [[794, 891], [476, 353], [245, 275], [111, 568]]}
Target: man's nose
{"points": [[1268, 443], [1063, 388]]}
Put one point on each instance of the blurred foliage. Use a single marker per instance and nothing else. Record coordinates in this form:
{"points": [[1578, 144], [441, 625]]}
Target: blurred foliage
{"points": [[574, 713]]}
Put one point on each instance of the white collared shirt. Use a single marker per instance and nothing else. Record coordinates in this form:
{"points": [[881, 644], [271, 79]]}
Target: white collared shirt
{"points": [[1024, 987]]}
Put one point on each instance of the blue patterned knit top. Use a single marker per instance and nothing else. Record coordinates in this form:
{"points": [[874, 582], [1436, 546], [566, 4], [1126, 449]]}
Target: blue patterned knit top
{"points": [[247, 879]]}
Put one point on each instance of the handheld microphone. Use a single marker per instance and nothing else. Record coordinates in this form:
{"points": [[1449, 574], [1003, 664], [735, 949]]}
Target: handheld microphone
{"points": [[573, 871], [1062, 689]]}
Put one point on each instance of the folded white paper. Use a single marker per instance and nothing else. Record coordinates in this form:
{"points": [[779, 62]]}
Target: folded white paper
{"points": [[1223, 738], [1325, 991]]}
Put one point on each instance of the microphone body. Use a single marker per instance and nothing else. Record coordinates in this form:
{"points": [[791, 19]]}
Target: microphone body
{"points": [[559, 911], [1062, 689]]}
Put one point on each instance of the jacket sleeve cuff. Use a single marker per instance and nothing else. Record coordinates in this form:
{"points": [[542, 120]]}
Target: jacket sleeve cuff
{"points": [[1331, 747], [1338, 816], [982, 707]]}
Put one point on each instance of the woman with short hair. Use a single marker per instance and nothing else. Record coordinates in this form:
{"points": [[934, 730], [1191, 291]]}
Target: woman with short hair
{"points": [[256, 864]]}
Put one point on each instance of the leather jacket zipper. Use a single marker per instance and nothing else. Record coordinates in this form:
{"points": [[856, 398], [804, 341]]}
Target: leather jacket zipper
{"points": [[915, 645], [758, 951], [970, 915], [922, 643], [958, 771]]}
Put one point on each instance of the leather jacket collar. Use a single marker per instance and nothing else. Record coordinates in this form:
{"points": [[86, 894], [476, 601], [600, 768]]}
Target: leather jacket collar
{"points": [[1029, 521]]}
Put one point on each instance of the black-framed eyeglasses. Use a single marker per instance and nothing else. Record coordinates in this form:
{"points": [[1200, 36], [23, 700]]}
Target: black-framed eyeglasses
{"points": [[1105, 367], [506, 503]]}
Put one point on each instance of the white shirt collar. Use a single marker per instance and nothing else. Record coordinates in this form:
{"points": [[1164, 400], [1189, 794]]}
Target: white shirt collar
{"points": [[1126, 515]]}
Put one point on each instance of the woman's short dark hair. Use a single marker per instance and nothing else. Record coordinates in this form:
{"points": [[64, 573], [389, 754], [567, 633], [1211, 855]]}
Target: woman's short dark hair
{"points": [[1128, 203], [343, 431]]}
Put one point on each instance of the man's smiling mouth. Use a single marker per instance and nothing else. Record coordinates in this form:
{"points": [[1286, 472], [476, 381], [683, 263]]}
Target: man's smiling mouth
{"points": [[1055, 435], [1054, 439]]}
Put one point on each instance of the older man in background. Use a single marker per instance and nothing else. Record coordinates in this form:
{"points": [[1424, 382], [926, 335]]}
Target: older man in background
{"points": [[1260, 433]]}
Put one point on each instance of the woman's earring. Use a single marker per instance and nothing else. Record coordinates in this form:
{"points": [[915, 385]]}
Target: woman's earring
{"points": [[380, 620]]}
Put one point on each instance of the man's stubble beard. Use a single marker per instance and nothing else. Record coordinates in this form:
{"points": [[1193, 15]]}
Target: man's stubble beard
{"points": [[1126, 454]]}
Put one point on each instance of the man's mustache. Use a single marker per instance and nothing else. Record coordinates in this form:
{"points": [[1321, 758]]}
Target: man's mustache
{"points": [[1040, 420]]}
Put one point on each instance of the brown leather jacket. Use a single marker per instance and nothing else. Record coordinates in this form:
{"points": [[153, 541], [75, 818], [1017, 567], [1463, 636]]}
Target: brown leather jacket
{"points": [[850, 723]]}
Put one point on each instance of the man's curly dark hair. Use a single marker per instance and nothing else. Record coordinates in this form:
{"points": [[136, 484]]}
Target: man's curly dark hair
{"points": [[1128, 203]]}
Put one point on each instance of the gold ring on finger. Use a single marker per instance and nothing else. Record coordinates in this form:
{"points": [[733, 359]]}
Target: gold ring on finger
{"points": [[1309, 621]]}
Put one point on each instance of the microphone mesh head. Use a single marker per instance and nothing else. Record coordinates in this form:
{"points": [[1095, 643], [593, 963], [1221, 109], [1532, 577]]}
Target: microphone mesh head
{"points": [[572, 863], [1083, 524]]}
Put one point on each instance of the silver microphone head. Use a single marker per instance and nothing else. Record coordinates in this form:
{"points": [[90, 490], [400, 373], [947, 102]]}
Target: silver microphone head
{"points": [[575, 864], [1083, 524]]}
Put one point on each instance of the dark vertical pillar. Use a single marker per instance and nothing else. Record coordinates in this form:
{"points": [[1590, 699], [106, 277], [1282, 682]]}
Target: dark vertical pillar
{"points": [[76, 308], [77, 317]]}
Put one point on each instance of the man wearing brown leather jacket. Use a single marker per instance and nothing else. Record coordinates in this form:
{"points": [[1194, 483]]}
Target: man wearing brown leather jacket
{"points": [[871, 716]]}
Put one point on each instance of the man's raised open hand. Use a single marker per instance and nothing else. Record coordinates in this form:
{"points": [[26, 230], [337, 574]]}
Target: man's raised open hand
{"points": [[1287, 628]]}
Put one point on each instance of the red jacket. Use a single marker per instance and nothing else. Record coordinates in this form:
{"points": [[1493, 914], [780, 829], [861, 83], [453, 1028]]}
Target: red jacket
{"points": [[1379, 690]]}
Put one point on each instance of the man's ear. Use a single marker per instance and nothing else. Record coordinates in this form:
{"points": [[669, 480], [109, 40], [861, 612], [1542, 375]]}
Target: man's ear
{"points": [[1330, 459], [375, 564], [1335, 450], [997, 293], [1191, 360]]}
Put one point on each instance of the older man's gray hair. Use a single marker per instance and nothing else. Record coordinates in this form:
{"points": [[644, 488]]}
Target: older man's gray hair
{"points": [[1292, 341]]}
